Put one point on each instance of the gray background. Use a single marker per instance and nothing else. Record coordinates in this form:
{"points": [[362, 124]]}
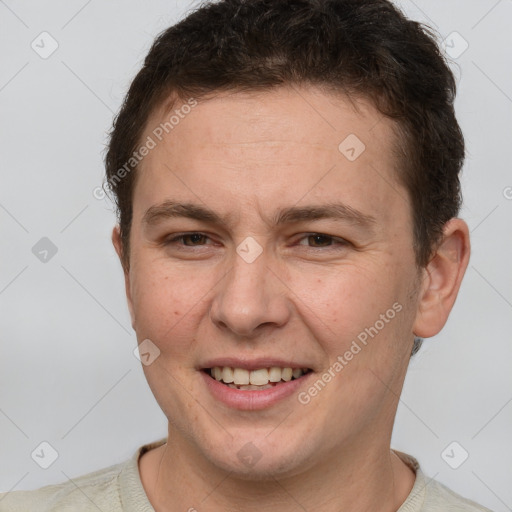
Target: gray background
{"points": [[68, 375]]}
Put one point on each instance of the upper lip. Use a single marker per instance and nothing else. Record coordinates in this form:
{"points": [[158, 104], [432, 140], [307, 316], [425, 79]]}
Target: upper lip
{"points": [[252, 364]]}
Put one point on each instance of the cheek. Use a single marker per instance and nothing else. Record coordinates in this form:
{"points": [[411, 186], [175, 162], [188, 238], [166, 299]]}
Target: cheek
{"points": [[345, 299], [335, 303], [168, 305], [362, 316]]}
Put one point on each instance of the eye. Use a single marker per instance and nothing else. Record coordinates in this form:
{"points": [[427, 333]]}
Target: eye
{"points": [[320, 240], [195, 238]]}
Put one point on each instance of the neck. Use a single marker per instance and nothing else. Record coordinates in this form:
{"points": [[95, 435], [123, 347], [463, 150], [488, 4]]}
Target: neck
{"points": [[361, 478]]}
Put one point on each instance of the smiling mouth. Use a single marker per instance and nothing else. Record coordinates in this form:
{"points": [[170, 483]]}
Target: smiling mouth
{"points": [[253, 380]]}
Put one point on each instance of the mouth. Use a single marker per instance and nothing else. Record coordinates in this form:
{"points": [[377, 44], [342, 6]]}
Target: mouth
{"points": [[254, 380]]}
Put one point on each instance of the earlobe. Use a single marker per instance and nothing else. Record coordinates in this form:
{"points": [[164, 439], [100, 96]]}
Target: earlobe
{"points": [[118, 246], [442, 279]]}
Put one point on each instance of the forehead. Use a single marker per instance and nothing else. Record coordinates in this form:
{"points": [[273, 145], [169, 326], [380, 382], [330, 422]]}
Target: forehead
{"points": [[308, 114], [257, 149]]}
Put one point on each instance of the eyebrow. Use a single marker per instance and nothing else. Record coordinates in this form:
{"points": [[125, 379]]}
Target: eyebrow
{"points": [[294, 214]]}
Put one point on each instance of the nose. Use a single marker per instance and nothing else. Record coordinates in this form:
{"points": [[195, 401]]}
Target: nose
{"points": [[250, 298]]}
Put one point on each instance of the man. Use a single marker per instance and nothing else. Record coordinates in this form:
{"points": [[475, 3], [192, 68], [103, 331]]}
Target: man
{"points": [[286, 177]]}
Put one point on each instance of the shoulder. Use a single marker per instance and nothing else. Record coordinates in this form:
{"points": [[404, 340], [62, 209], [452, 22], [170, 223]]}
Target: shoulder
{"points": [[429, 495], [440, 497], [90, 492], [116, 488]]}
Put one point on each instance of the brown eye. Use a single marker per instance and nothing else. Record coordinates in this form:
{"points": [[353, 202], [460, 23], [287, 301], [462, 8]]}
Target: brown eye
{"points": [[320, 240], [194, 238]]}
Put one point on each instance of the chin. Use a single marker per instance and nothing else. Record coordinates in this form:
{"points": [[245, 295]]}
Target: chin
{"points": [[261, 459]]}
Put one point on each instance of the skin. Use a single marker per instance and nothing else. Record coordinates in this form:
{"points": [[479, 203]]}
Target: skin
{"points": [[246, 156]]}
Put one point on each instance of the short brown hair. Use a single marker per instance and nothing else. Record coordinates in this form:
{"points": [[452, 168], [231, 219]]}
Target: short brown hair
{"points": [[363, 47]]}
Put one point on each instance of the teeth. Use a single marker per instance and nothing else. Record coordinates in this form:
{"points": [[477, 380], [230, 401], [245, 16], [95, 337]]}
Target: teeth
{"points": [[227, 374], [286, 374], [254, 388], [274, 374], [240, 378], [259, 377]]}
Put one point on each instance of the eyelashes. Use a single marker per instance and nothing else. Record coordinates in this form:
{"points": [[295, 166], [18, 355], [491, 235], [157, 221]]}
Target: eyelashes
{"points": [[196, 236], [182, 237], [335, 240]]}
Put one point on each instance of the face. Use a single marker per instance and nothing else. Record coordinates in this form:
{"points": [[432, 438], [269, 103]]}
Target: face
{"points": [[265, 235]]}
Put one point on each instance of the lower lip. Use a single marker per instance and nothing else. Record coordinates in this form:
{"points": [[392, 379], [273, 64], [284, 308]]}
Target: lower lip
{"points": [[253, 400]]}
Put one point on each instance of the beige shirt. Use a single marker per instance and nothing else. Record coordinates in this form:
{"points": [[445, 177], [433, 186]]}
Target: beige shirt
{"points": [[118, 488]]}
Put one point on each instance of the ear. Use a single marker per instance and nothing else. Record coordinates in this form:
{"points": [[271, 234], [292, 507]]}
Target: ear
{"points": [[442, 278], [118, 246]]}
